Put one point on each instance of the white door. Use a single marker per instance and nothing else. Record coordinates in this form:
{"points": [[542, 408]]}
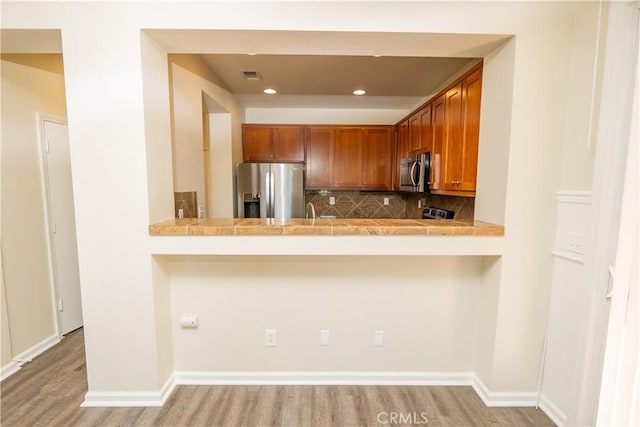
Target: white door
{"points": [[63, 225]]}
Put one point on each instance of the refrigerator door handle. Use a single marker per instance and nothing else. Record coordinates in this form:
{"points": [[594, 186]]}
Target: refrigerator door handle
{"points": [[270, 195]]}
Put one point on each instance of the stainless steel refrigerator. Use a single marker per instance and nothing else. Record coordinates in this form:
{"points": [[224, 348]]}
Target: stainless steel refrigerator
{"points": [[270, 190]]}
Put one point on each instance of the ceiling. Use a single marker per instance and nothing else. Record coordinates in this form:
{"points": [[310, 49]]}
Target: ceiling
{"points": [[333, 75]]}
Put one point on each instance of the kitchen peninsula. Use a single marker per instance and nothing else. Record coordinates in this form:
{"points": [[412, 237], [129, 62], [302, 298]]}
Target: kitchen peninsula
{"points": [[234, 236]]}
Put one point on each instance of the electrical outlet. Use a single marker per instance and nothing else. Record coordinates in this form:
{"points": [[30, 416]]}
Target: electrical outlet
{"points": [[189, 322], [576, 243], [270, 337], [378, 338], [180, 213], [419, 203], [332, 200], [324, 337], [385, 201]]}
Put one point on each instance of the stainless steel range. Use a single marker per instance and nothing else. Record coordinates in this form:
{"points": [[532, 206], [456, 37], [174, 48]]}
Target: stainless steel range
{"points": [[436, 213]]}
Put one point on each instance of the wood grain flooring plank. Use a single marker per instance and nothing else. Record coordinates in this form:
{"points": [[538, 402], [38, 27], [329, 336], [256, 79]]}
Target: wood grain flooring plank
{"points": [[48, 392]]}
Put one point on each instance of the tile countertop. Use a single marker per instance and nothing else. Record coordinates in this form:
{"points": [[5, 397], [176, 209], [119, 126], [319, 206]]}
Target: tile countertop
{"points": [[323, 227]]}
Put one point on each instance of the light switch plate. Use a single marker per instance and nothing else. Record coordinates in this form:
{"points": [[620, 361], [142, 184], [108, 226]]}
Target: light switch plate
{"points": [[378, 338], [324, 337]]}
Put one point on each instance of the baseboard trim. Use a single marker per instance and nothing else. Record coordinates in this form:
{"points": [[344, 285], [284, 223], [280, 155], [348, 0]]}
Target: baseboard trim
{"points": [[137, 399], [497, 399], [28, 355], [574, 197], [558, 417], [129, 399], [576, 258], [9, 369], [323, 378]]}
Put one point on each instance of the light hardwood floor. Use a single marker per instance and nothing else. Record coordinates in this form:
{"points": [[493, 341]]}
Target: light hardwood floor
{"points": [[48, 392]]}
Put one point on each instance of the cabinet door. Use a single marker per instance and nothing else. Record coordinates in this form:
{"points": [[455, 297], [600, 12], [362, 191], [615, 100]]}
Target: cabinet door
{"points": [[288, 144], [471, 93], [437, 142], [256, 144], [414, 133], [319, 158], [425, 129], [402, 148], [452, 153], [376, 159], [347, 158]]}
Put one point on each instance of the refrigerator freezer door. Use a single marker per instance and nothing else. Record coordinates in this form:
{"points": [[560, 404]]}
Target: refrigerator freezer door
{"points": [[248, 181]]}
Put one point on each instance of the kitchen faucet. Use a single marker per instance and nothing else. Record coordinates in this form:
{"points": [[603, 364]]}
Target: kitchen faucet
{"points": [[313, 211]]}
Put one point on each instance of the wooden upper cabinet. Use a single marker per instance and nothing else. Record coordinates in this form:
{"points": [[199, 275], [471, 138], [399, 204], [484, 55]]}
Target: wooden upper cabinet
{"points": [[402, 148], [319, 158], [256, 143], [377, 154], [437, 142], [454, 133], [267, 143], [414, 134], [403, 140], [288, 144], [347, 157], [449, 128], [471, 95], [425, 129]]}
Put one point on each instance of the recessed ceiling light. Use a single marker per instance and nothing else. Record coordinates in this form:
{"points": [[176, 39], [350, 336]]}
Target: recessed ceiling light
{"points": [[377, 56], [252, 54], [359, 92], [270, 91]]}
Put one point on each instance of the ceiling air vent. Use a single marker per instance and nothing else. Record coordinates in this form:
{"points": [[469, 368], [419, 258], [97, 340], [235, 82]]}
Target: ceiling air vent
{"points": [[251, 75]]}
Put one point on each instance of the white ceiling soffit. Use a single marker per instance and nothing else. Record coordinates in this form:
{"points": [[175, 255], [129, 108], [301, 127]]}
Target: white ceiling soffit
{"points": [[30, 41], [278, 42]]}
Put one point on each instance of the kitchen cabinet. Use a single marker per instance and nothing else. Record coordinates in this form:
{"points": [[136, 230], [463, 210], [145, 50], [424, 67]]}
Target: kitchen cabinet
{"points": [[402, 149], [266, 143], [471, 96], [377, 155], [425, 129], [437, 142], [319, 157], [462, 118], [449, 127], [414, 134], [349, 157], [453, 144]]}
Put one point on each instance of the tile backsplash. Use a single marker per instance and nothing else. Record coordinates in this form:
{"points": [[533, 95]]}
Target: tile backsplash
{"points": [[463, 207], [361, 204], [358, 204], [187, 201]]}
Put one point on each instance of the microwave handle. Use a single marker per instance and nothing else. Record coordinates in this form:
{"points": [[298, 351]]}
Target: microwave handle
{"points": [[412, 173]]}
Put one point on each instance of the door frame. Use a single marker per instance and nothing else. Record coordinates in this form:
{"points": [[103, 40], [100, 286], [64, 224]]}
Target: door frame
{"points": [[46, 198]]}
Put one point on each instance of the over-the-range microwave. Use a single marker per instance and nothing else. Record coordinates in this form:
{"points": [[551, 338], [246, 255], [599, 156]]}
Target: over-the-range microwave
{"points": [[415, 172]]}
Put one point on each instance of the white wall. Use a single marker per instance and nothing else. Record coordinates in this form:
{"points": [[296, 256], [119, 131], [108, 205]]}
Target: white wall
{"points": [[409, 298], [26, 91], [577, 314], [221, 166], [325, 115], [189, 84], [107, 136]]}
